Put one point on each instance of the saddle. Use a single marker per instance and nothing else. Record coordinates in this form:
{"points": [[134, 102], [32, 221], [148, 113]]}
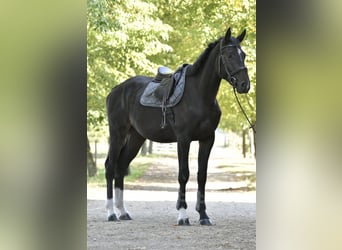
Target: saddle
{"points": [[163, 72], [165, 90], [166, 85]]}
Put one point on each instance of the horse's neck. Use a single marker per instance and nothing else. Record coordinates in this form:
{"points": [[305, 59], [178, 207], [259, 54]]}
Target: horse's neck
{"points": [[209, 82]]}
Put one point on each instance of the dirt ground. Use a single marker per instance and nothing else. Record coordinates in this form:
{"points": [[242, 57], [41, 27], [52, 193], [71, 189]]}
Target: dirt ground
{"points": [[151, 201]]}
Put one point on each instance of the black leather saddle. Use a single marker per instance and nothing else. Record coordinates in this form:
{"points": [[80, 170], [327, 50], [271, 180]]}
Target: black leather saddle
{"points": [[166, 86], [166, 89]]}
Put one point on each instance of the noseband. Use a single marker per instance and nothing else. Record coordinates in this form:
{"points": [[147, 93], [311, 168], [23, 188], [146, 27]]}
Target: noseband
{"points": [[221, 58]]}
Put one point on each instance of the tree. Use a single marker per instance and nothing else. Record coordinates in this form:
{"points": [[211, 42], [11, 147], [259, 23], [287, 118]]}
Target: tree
{"points": [[126, 38], [243, 14], [91, 167], [121, 37]]}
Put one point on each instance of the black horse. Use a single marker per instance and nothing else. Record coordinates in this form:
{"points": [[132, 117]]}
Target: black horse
{"points": [[194, 118]]}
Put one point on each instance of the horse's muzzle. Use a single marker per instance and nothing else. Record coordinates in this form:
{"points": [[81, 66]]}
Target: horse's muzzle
{"points": [[242, 87]]}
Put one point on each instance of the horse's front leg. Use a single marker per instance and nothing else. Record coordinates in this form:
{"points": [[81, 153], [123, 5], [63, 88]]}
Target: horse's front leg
{"points": [[183, 147], [205, 147]]}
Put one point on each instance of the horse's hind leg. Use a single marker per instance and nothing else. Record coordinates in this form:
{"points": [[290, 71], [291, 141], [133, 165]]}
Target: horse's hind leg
{"points": [[128, 152], [117, 140]]}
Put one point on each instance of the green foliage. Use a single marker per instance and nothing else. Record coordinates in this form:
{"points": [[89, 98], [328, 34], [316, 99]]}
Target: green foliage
{"points": [[136, 171], [121, 36], [198, 22], [242, 15], [126, 38]]}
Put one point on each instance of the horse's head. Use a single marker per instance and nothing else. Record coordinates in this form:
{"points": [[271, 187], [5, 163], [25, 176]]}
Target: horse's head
{"points": [[231, 62]]}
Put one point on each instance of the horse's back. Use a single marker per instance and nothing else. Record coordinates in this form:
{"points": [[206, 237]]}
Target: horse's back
{"points": [[121, 95], [131, 84]]}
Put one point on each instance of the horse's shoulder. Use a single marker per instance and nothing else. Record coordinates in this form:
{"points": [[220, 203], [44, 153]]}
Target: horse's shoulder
{"points": [[216, 108]]}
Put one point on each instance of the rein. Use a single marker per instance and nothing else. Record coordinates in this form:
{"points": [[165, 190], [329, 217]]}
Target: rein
{"points": [[252, 126]]}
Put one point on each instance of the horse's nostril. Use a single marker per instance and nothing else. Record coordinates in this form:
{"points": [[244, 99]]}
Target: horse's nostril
{"points": [[243, 85]]}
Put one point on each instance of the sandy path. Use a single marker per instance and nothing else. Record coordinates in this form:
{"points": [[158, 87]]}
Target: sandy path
{"points": [[151, 201], [154, 222]]}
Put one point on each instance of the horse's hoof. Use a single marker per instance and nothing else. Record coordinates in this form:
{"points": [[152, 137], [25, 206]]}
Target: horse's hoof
{"points": [[125, 217], [184, 222], [205, 222], [113, 218]]}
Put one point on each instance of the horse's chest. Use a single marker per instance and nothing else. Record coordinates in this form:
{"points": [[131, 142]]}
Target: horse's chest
{"points": [[207, 122]]}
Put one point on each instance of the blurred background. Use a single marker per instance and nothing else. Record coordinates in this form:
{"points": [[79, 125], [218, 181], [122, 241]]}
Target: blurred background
{"points": [[299, 157]]}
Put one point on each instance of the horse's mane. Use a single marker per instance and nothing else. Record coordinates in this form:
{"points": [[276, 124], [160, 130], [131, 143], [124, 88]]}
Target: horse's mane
{"points": [[193, 69]]}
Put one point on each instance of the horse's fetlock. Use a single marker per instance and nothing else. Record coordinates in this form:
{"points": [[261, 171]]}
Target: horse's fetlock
{"points": [[200, 206], [181, 204]]}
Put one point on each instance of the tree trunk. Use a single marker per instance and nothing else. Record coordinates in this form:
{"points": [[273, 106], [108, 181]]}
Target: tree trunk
{"points": [[150, 147], [244, 143], [254, 137], [90, 161], [143, 149]]}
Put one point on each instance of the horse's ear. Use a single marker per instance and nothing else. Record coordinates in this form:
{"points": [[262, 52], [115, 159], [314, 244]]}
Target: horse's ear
{"points": [[228, 35], [242, 35]]}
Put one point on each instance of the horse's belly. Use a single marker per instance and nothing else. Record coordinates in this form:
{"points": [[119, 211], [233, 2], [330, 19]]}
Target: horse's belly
{"points": [[162, 136], [149, 125], [157, 134]]}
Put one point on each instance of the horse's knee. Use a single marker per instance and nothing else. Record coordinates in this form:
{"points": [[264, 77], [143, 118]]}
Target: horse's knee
{"points": [[122, 170], [109, 170], [109, 174], [183, 176]]}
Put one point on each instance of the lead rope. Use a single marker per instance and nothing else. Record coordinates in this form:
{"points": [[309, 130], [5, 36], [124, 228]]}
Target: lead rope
{"points": [[252, 126]]}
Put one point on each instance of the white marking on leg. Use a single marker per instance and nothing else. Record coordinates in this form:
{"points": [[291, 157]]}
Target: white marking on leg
{"points": [[110, 207], [119, 201], [182, 214]]}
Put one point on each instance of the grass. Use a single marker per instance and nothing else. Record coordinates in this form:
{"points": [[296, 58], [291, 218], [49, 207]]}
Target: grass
{"points": [[140, 164], [136, 171], [244, 172]]}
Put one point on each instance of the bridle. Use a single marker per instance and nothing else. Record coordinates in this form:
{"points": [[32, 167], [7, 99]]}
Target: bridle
{"points": [[230, 75], [231, 79]]}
